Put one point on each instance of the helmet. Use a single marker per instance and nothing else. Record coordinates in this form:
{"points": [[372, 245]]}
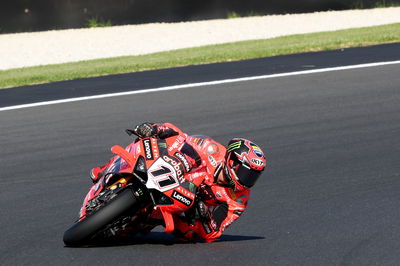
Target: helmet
{"points": [[244, 162]]}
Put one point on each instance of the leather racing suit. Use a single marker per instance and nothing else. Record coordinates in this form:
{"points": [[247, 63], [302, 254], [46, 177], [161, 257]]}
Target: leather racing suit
{"points": [[219, 204]]}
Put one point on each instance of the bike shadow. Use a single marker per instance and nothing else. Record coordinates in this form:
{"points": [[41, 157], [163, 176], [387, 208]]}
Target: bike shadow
{"points": [[160, 238]]}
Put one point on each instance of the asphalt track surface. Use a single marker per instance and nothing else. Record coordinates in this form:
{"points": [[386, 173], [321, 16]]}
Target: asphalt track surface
{"points": [[330, 195]]}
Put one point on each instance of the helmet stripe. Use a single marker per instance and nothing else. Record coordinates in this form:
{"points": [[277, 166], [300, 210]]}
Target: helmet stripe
{"points": [[234, 146]]}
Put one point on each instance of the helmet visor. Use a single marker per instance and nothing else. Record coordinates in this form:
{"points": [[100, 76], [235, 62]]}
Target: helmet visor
{"points": [[247, 177]]}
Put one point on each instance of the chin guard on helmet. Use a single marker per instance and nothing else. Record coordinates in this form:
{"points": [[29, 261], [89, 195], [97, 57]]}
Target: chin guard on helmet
{"points": [[244, 163]]}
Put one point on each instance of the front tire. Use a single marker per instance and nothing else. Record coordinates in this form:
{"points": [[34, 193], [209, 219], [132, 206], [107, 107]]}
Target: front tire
{"points": [[83, 231]]}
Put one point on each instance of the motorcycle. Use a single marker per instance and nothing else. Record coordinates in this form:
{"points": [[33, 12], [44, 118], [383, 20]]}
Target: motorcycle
{"points": [[144, 187]]}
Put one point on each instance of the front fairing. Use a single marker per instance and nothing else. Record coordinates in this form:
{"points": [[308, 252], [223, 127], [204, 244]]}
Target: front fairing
{"points": [[172, 192], [118, 165]]}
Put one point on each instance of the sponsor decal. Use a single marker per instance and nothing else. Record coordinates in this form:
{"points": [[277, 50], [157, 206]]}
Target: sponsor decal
{"points": [[207, 228], [177, 166], [212, 161], [227, 224], [154, 145], [257, 162], [147, 149], [257, 151], [163, 175], [218, 195], [234, 145], [162, 171], [185, 192], [185, 200], [177, 144], [193, 176], [182, 158]]}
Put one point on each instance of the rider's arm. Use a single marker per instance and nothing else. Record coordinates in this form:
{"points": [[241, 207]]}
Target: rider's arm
{"points": [[164, 130]]}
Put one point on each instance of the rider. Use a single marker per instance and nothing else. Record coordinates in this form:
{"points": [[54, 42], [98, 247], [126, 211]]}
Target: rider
{"points": [[229, 174]]}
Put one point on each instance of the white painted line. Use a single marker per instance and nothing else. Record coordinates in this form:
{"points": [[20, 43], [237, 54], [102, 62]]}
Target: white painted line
{"points": [[192, 85]]}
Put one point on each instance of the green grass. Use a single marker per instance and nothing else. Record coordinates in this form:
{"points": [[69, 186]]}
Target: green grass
{"points": [[233, 14], [96, 23], [378, 4], [386, 3], [203, 55]]}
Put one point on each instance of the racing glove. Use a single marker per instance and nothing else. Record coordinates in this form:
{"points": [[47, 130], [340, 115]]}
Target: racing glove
{"points": [[199, 212], [143, 130], [202, 212]]}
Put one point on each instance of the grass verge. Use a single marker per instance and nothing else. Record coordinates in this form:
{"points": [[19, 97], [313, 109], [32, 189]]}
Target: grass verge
{"points": [[202, 55]]}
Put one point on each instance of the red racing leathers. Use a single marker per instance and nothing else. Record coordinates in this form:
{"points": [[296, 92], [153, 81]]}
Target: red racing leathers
{"points": [[223, 205]]}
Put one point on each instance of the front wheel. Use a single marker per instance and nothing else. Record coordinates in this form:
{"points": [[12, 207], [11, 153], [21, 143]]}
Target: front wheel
{"points": [[83, 231]]}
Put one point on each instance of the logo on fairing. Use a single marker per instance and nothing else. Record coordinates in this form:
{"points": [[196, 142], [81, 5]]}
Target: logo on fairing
{"points": [[147, 149], [234, 146], [177, 166], [182, 158], [177, 144], [207, 228], [257, 162], [178, 196], [163, 175], [212, 160], [257, 151]]}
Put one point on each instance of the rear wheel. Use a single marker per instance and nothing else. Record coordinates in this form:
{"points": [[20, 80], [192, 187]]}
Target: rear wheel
{"points": [[120, 206]]}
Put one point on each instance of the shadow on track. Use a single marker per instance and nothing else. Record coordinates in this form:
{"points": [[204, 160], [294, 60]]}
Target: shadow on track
{"points": [[160, 238]]}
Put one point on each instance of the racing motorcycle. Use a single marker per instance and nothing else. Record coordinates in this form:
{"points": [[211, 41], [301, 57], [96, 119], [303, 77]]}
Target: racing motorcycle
{"points": [[144, 187]]}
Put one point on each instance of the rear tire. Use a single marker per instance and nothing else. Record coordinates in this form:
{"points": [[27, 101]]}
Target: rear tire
{"points": [[82, 232]]}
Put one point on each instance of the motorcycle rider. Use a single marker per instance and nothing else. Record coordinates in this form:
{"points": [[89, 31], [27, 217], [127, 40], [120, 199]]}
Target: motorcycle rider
{"points": [[229, 174]]}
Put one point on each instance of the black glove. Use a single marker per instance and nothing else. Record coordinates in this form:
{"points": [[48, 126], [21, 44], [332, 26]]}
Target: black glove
{"points": [[144, 130], [202, 211]]}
